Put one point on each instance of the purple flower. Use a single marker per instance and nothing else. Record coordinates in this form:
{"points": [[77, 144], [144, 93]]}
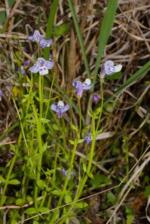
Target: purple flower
{"points": [[42, 66], [81, 86], [88, 139], [26, 63], [24, 66], [64, 172], [38, 38], [109, 68], [96, 98], [45, 43], [67, 174], [60, 108], [22, 70], [1, 94]]}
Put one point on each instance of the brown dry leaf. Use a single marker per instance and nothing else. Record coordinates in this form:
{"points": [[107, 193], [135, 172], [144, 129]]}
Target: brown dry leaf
{"points": [[72, 57]]}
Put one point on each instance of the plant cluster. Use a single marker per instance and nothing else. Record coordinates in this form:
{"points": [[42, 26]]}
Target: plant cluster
{"points": [[72, 154]]}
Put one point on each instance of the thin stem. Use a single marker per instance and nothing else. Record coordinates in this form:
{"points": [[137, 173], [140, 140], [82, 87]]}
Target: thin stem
{"points": [[41, 95], [67, 178], [102, 103], [80, 115], [40, 153], [82, 182]]}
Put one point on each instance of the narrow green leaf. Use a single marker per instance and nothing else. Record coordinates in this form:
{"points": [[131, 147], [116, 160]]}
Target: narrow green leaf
{"points": [[99, 180], [141, 73], [2, 17], [51, 18], [11, 2], [79, 35], [61, 29], [50, 24], [147, 191], [56, 192], [14, 182], [111, 198], [114, 76], [2, 180], [43, 210], [20, 201], [31, 211], [68, 198], [41, 184], [105, 30], [81, 205], [129, 215]]}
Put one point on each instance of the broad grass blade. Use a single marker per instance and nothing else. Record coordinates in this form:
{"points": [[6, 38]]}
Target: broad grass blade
{"points": [[105, 30]]}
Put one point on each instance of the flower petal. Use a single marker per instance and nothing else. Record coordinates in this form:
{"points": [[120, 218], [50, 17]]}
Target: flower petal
{"points": [[88, 139], [87, 84], [109, 63], [43, 70], [49, 64], [41, 62], [22, 70], [109, 67], [54, 107], [118, 68], [60, 108], [45, 43], [76, 84], [65, 108], [36, 36], [96, 98], [79, 87], [34, 68], [42, 66]]}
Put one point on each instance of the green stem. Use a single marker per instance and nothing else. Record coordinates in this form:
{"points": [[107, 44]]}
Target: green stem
{"points": [[69, 172], [41, 95], [80, 115], [49, 97], [7, 179], [53, 220], [102, 103], [40, 153], [83, 181]]}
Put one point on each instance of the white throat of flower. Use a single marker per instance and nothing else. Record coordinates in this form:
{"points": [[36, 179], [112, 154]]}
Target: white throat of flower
{"points": [[43, 70], [60, 104], [87, 82]]}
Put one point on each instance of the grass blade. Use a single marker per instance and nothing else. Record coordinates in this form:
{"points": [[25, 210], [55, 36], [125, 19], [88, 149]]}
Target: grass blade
{"points": [[50, 23], [79, 35], [105, 31], [141, 73]]}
